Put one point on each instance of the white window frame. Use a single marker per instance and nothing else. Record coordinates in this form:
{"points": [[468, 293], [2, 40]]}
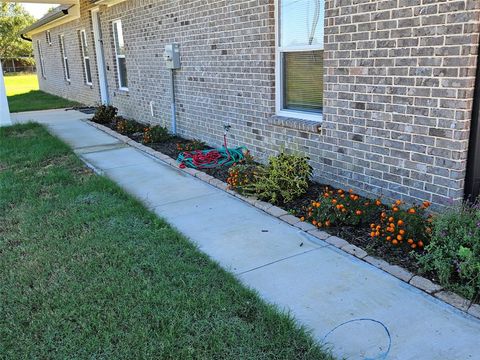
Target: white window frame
{"points": [[117, 56], [42, 62], [83, 41], [64, 58], [48, 35], [279, 78]]}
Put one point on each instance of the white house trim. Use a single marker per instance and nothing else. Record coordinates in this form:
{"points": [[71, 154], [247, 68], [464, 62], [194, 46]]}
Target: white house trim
{"points": [[5, 119]]}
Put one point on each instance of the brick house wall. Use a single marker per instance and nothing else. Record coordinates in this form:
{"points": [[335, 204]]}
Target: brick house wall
{"points": [[398, 86], [54, 81]]}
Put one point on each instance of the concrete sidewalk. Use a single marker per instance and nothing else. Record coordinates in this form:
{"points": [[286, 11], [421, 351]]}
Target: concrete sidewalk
{"points": [[362, 311]]}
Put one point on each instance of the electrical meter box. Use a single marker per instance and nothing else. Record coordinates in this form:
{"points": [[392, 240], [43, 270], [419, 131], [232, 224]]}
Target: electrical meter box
{"points": [[172, 56]]}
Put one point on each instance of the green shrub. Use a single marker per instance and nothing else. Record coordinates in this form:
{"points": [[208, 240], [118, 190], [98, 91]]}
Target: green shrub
{"points": [[127, 127], [454, 250], [284, 179], [154, 134], [105, 114]]}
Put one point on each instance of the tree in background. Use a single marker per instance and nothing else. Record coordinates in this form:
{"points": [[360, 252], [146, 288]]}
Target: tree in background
{"points": [[13, 19]]}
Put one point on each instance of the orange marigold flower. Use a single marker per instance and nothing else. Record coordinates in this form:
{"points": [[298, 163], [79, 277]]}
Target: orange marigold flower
{"points": [[426, 204], [372, 234], [412, 211], [400, 222], [390, 218], [410, 241], [378, 202], [394, 242]]}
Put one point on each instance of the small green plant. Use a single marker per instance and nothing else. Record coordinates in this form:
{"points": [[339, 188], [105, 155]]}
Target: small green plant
{"points": [[105, 114], [284, 179], [155, 134], [336, 208], [127, 127], [454, 250]]}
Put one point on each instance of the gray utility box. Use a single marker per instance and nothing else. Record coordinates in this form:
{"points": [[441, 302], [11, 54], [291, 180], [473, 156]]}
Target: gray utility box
{"points": [[172, 56]]}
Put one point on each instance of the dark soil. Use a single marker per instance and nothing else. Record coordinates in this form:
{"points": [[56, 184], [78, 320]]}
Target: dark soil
{"points": [[359, 236]]}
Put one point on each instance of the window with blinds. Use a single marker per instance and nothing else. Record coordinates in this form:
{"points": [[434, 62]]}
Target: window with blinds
{"points": [[41, 59], [63, 51], [303, 80], [86, 57], [120, 55], [300, 58]]}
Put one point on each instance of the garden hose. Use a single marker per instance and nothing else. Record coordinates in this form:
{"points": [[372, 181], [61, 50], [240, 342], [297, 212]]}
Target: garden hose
{"points": [[208, 159]]}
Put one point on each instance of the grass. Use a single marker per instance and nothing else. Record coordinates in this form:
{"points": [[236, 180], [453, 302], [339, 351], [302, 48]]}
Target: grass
{"points": [[87, 272], [23, 95]]}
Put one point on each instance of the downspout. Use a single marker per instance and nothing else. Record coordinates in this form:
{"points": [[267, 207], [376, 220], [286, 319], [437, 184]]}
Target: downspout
{"points": [[173, 105], [472, 178], [25, 38]]}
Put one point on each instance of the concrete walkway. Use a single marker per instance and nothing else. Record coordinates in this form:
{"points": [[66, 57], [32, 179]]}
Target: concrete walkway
{"points": [[323, 287]]}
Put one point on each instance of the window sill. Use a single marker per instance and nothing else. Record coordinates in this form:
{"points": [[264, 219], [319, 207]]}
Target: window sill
{"points": [[295, 123], [123, 92]]}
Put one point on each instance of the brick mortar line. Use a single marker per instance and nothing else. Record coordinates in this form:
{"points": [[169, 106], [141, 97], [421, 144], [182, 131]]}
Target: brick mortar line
{"points": [[416, 281]]}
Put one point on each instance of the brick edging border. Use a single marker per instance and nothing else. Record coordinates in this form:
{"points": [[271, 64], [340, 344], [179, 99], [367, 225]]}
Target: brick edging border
{"points": [[406, 276]]}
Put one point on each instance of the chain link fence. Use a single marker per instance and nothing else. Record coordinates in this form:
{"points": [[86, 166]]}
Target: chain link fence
{"points": [[18, 65]]}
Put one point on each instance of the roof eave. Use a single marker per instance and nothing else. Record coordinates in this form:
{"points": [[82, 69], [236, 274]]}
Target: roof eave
{"points": [[65, 14]]}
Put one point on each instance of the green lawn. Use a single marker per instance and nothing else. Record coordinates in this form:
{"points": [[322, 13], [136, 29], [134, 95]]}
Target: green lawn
{"points": [[23, 95], [86, 272]]}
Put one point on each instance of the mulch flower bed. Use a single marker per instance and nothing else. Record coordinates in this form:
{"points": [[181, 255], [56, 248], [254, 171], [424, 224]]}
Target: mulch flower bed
{"points": [[357, 235]]}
